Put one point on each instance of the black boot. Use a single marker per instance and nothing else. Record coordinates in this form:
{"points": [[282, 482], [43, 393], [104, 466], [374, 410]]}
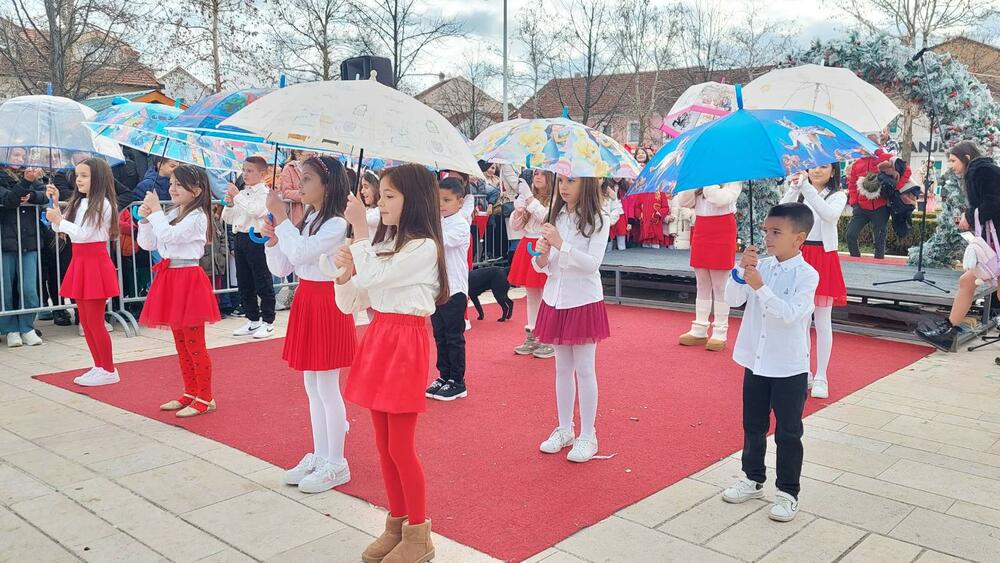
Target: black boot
{"points": [[943, 335], [61, 318]]}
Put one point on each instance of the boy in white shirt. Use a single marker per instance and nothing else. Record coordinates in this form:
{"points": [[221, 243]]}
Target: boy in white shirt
{"points": [[773, 348], [448, 320], [247, 208]]}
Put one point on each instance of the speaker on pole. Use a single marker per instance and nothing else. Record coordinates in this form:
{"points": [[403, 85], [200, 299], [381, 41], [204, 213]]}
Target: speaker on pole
{"points": [[360, 68]]}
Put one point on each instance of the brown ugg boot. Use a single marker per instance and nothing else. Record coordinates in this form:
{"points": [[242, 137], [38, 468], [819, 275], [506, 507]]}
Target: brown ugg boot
{"points": [[416, 546], [390, 538]]}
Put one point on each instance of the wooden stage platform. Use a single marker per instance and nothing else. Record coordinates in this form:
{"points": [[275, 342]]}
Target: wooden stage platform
{"points": [[663, 277]]}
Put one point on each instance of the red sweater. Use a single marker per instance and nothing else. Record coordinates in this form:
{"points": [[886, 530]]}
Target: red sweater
{"points": [[863, 167]]}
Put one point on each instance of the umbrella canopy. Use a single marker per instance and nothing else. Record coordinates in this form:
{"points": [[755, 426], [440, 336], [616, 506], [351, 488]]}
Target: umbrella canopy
{"points": [[206, 116], [751, 145], [49, 132], [142, 127], [348, 116], [832, 91], [489, 136], [558, 145], [698, 105]]}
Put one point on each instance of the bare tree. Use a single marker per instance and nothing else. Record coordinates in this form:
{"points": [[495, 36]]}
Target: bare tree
{"points": [[394, 28], [464, 100], [756, 42], [222, 34], [311, 37], [586, 54], [918, 21], [75, 45], [643, 42], [705, 45], [538, 41]]}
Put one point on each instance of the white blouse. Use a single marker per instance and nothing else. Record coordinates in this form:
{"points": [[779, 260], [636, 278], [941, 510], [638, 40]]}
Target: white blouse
{"points": [[826, 207], [456, 238], [299, 252], [573, 272], [714, 200], [774, 335], [538, 214], [613, 207], [405, 282], [373, 217], [248, 209], [183, 241], [81, 231]]}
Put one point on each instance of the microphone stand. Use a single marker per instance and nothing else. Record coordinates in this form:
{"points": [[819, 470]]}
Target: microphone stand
{"points": [[920, 274]]}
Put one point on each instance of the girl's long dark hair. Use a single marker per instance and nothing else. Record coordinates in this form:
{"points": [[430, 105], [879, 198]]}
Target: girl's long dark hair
{"points": [[192, 178], [336, 186], [588, 209], [420, 218], [966, 151], [550, 186], [371, 179], [834, 183], [102, 192]]}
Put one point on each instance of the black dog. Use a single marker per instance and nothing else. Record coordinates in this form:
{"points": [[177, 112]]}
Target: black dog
{"points": [[493, 278]]}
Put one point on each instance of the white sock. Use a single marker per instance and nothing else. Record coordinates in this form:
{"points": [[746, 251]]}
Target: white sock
{"points": [[534, 299], [328, 384], [565, 386], [823, 317], [584, 360], [621, 242], [317, 416]]}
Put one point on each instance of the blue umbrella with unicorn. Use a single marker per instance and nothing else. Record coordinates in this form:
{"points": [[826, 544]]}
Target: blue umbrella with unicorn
{"points": [[750, 145]]}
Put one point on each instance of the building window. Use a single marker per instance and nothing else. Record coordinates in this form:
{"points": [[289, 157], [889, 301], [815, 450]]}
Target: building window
{"points": [[633, 132]]}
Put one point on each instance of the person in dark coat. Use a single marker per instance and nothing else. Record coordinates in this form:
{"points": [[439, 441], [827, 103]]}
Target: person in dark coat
{"points": [[157, 179], [20, 192], [981, 177]]}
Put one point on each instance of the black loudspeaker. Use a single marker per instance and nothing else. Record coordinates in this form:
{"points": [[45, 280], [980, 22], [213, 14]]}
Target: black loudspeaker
{"points": [[360, 68]]}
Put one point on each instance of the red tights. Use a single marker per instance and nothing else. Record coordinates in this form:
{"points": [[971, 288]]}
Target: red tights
{"points": [[196, 365], [91, 313], [401, 470]]}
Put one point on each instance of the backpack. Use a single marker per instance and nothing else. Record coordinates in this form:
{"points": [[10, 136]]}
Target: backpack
{"points": [[982, 256]]}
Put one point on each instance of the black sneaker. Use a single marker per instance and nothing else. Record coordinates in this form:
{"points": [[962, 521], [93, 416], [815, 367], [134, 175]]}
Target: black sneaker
{"points": [[434, 388], [238, 312], [61, 318], [451, 391], [942, 335]]}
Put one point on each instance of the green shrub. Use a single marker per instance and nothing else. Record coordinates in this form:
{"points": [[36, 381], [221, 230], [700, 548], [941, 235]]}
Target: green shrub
{"points": [[893, 245]]}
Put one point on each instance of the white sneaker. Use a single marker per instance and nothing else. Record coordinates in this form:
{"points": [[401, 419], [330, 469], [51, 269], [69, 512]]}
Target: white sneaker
{"points": [[583, 450], [97, 377], [265, 330], [785, 507], [247, 329], [820, 389], [14, 340], [468, 325], [308, 464], [742, 491], [283, 300], [558, 440], [31, 338], [809, 381], [325, 477]]}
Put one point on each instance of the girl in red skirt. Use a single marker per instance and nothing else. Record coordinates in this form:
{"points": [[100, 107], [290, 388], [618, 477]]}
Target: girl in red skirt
{"points": [[820, 190], [529, 218], [320, 339], [181, 297], [613, 191], [713, 254], [401, 275], [90, 222], [572, 317]]}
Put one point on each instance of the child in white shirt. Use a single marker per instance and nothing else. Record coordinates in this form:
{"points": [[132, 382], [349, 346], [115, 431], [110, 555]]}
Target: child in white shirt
{"points": [[773, 348]]}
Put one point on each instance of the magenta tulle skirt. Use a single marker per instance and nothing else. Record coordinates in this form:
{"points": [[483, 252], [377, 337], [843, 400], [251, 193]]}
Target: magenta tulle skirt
{"points": [[569, 327]]}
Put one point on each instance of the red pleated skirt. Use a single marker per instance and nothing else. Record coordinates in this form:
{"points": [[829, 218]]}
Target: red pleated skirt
{"points": [[569, 327], [320, 336], [389, 373], [713, 242], [620, 228], [522, 273], [831, 277], [179, 298], [91, 274]]}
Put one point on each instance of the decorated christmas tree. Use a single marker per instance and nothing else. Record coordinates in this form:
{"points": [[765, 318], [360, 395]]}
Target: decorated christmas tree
{"points": [[945, 246], [766, 194]]}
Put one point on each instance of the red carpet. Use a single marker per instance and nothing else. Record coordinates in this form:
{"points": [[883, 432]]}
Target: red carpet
{"points": [[665, 410]]}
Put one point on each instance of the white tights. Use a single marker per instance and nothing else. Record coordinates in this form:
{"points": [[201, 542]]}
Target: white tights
{"points": [[534, 299], [328, 414], [577, 360], [823, 319], [711, 283]]}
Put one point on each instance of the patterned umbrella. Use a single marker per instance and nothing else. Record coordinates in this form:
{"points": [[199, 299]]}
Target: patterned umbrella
{"points": [[142, 126], [205, 119], [558, 145], [698, 105]]}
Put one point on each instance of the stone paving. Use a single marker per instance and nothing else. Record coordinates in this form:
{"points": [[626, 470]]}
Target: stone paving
{"points": [[906, 469]]}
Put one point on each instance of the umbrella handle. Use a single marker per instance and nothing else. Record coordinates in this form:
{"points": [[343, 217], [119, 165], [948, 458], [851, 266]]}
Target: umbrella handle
{"points": [[135, 213], [531, 249], [737, 278], [258, 238], [45, 220]]}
